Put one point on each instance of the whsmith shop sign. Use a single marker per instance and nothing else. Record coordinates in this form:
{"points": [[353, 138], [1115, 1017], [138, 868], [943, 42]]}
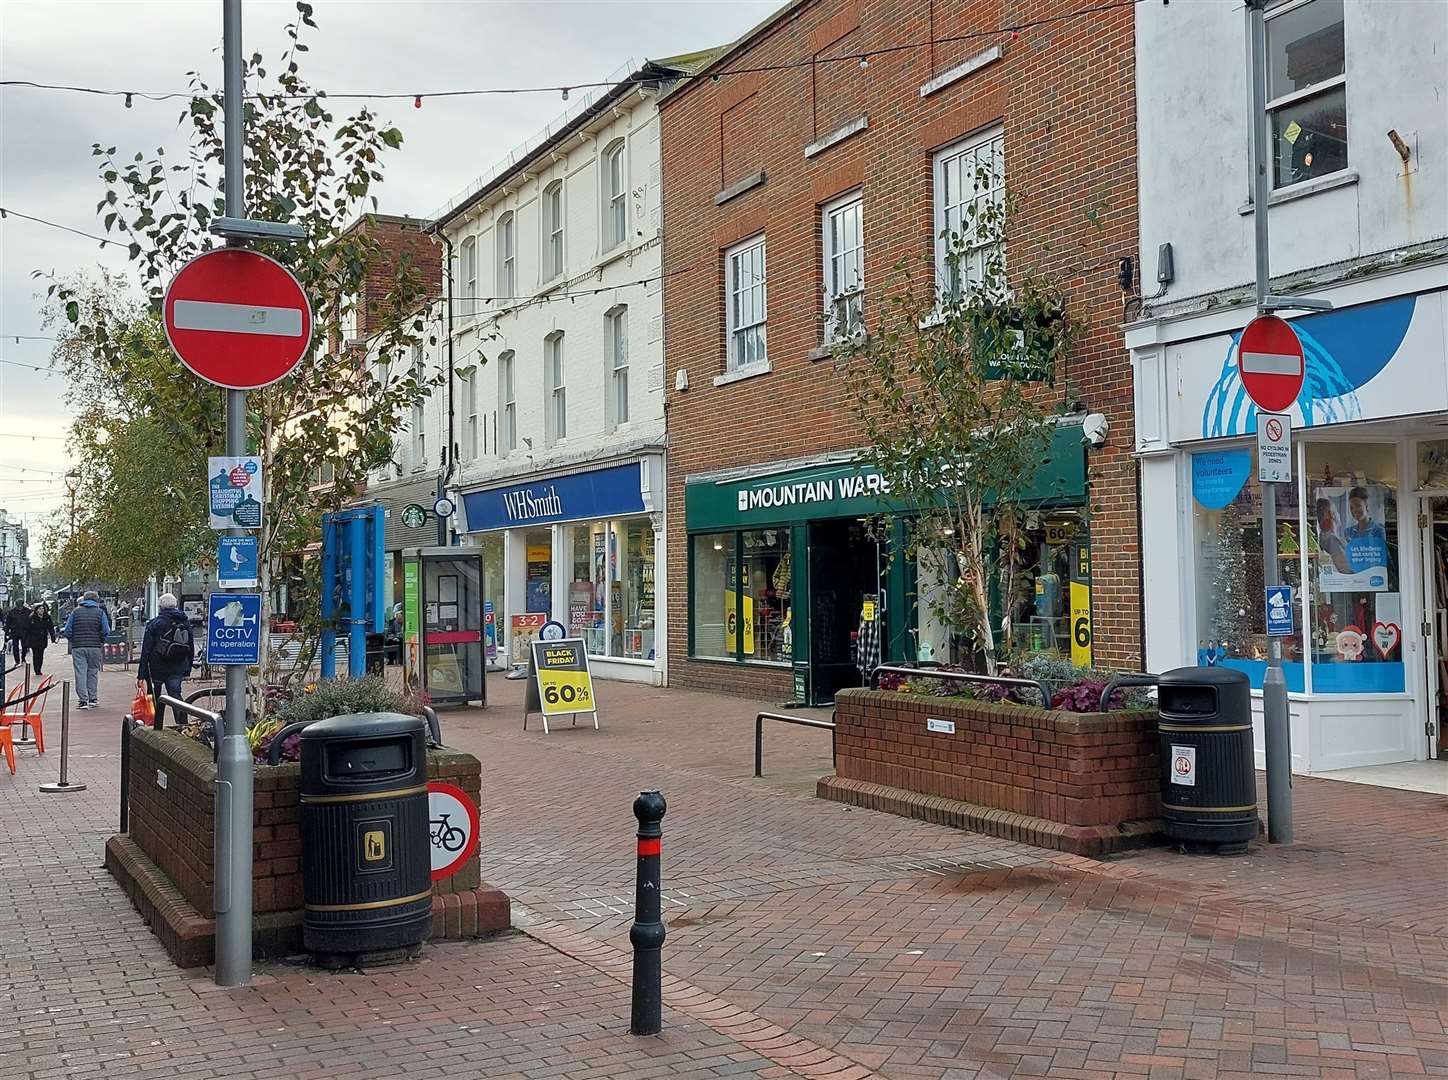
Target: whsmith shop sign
{"points": [[856, 489], [602, 493]]}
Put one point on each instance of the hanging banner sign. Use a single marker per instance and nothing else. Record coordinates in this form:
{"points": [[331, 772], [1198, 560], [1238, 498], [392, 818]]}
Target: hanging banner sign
{"points": [[234, 492]]}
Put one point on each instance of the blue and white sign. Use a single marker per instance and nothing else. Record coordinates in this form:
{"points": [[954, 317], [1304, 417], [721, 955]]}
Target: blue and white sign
{"points": [[236, 560], [602, 493], [1218, 476], [233, 628], [1280, 622]]}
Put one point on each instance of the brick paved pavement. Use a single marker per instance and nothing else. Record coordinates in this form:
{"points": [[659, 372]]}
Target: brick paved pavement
{"points": [[806, 938]]}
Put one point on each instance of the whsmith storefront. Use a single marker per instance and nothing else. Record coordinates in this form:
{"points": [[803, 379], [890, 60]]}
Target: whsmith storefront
{"points": [[797, 580], [585, 549]]}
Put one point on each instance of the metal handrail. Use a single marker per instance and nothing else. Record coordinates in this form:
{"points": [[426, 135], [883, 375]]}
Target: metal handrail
{"points": [[799, 721], [964, 676], [205, 691], [218, 722], [1116, 682], [274, 750], [128, 725], [434, 725]]}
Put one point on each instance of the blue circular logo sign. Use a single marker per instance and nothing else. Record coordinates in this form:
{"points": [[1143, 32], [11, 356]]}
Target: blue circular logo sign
{"points": [[552, 630], [250, 467]]}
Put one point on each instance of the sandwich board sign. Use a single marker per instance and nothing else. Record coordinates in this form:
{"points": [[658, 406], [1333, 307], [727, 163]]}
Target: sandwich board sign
{"points": [[559, 682]]}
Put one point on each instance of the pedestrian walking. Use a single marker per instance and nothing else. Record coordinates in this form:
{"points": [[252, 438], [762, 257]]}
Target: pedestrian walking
{"points": [[40, 635], [167, 650], [17, 628], [87, 630]]}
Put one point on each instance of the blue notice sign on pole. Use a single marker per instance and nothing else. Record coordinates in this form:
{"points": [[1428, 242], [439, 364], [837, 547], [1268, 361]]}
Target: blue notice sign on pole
{"points": [[236, 562], [233, 628], [1280, 621]]}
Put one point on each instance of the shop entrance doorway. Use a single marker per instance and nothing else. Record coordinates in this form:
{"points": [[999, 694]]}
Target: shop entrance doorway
{"points": [[1433, 528], [844, 568]]}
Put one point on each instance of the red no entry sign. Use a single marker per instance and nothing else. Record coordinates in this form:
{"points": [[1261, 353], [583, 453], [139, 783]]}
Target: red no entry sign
{"points": [[1270, 361], [237, 319]]}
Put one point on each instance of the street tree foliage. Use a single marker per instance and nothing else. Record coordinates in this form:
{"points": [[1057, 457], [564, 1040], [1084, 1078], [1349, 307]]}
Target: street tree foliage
{"points": [[336, 415], [951, 387]]}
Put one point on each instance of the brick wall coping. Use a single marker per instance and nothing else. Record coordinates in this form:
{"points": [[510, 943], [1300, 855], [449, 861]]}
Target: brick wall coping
{"points": [[1027, 716]]}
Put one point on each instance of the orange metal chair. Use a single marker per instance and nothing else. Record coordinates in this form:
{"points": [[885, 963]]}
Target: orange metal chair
{"points": [[29, 712], [7, 747]]}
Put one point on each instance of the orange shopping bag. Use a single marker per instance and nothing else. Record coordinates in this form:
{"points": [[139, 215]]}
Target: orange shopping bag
{"points": [[142, 709]]}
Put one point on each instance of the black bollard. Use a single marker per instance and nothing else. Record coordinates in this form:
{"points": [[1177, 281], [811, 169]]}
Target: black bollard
{"points": [[647, 933]]}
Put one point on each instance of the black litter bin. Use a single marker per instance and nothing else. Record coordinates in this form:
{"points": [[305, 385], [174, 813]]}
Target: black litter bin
{"points": [[366, 863], [375, 654], [1208, 782]]}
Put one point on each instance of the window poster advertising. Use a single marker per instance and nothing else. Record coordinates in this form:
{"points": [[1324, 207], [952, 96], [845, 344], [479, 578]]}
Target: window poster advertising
{"points": [[1351, 540]]}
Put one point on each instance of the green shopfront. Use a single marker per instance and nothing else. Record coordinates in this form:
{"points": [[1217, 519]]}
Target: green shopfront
{"points": [[799, 568]]}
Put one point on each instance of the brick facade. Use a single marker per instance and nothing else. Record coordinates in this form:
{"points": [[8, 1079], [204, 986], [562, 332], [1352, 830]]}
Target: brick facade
{"points": [[404, 250], [1081, 782], [1063, 91]]}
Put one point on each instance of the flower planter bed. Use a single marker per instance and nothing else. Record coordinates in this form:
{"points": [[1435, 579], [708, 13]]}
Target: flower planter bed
{"points": [[165, 863], [1086, 783]]}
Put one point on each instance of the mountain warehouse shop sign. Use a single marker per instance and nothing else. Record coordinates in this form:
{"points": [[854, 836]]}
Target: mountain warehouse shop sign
{"points": [[804, 492]]}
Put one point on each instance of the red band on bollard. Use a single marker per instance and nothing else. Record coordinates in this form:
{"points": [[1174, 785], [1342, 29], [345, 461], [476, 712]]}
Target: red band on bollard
{"points": [[650, 847]]}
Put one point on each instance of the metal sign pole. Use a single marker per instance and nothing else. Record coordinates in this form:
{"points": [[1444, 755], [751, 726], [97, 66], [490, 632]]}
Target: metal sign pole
{"points": [[1276, 722], [234, 764]]}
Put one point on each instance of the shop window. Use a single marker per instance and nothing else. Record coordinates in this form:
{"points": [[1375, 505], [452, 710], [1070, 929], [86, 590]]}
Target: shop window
{"points": [[1306, 91], [1227, 513], [969, 193], [634, 602], [765, 580], [494, 596], [538, 571], [844, 253], [746, 304], [1050, 609], [713, 571], [1354, 602], [586, 595]]}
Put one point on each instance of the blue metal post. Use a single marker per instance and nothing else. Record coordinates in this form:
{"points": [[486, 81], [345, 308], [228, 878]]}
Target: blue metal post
{"points": [[357, 601], [329, 592], [378, 569]]}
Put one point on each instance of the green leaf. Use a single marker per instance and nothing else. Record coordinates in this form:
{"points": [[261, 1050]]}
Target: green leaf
{"points": [[392, 137], [72, 311]]}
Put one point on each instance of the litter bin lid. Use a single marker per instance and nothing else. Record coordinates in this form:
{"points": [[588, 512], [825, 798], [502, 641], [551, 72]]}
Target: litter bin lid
{"points": [[1194, 676], [367, 725]]}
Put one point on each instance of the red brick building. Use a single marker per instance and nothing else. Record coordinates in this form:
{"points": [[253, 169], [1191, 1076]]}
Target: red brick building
{"points": [[821, 144]]}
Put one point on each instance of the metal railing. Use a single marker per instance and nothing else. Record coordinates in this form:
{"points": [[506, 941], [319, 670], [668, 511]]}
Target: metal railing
{"points": [[798, 721], [962, 676], [1117, 682]]}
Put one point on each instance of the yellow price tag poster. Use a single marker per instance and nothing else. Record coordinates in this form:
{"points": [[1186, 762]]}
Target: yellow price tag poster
{"points": [[731, 619], [867, 612], [565, 692], [1080, 624]]}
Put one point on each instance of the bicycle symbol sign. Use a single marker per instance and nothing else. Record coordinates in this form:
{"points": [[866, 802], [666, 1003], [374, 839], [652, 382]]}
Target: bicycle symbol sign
{"points": [[452, 821]]}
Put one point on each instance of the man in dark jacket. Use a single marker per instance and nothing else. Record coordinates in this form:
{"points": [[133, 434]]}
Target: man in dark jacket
{"points": [[17, 625], [167, 650], [40, 635], [87, 630]]}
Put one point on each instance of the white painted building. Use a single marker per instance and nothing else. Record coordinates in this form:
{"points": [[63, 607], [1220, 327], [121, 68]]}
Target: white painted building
{"points": [[557, 339], [1358, 127], [14, 555]]}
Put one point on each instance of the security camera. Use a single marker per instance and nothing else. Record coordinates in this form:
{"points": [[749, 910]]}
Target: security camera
{"points": [[1094, 429]]}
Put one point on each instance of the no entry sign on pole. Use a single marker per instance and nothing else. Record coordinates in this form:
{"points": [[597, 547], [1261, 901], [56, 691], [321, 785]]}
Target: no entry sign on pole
{"points": [[237, 319], [1270, 361]]}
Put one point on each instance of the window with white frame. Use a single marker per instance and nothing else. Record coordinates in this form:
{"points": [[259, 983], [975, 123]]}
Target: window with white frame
{"points": [[844, 253], [557, 405], [616, 347], [470, 415], [507, 250], [1306, 91], [969, 202], [468, 258], [507, 436], [746, 303], [615, 195], [553, 230], [419, 429]]}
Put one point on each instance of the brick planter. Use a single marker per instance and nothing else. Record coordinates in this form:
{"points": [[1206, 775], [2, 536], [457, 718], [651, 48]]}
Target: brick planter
{"points": [[166, 862], [1079, 782]]}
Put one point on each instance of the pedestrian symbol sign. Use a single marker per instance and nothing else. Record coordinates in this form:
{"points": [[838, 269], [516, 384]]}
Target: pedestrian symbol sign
{"points": [[233, 628], [236, 561]]}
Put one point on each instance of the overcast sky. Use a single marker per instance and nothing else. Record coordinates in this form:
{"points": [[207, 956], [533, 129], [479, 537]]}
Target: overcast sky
{"points": [[411, 46]]}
